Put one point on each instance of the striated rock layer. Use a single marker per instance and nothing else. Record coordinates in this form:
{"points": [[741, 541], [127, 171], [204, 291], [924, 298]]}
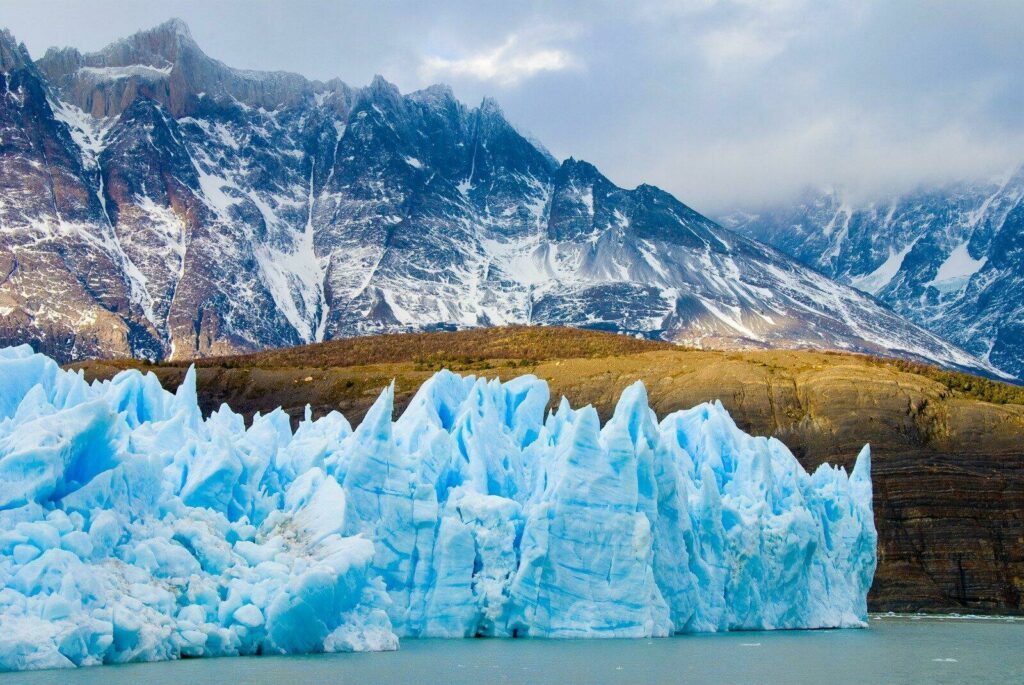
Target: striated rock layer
{"points": [[947, 450], [134, 529]]}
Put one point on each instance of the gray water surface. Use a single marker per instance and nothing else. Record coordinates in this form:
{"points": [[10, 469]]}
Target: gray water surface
{"points": [[891, 650]]}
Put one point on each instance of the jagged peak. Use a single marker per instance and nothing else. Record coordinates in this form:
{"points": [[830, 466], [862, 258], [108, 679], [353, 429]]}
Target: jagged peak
{"points": [[380, 91], [176, 26], [54, 52], [437, 94], [646, 191], [491, 115], [381, 94], [579, 169], [440, 89], [335, 85], [166, 41], [491, 107], [334, 93], [7, 38], [13, 55], [380, 85], [142, 103]]}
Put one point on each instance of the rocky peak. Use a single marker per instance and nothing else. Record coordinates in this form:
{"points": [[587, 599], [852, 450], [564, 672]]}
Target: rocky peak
{"points": [[145, 111], [577, 171], [159, 46], [174, 26], [58, 62], [438, 97], [491, 121], [166, 64], [489, 107], [381, 92], [574, 212], [337, 94], [504, 145], [658, 215], [12, 54]]}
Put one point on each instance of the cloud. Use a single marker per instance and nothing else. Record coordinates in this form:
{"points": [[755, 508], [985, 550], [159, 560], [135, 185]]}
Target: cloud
{"points": [[740, 46], [722, 102], [507, 65], [746, 34]]}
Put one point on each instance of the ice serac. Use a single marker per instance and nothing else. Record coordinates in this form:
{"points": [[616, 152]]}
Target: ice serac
{"points": [[135, 529]]}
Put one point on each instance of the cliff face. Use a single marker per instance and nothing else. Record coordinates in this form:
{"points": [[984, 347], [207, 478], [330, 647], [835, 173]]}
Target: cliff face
{"points": [[56, 253], [948, 467]]}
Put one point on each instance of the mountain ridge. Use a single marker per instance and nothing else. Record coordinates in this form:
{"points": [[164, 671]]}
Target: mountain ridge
{"points": [[947, 257], [189, 220]]}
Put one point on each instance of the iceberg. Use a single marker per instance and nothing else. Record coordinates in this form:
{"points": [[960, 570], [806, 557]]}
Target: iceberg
{"points": [[133, 528]]}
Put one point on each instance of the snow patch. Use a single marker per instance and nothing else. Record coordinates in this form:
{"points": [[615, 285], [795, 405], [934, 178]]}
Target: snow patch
{"points": [[130, 71], [213, 191], [295, 278], [587, 198], [956, 271], [875, 281]]}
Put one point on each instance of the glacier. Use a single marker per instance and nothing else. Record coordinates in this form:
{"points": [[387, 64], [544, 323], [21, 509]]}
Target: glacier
{"points": [[134, 529]]}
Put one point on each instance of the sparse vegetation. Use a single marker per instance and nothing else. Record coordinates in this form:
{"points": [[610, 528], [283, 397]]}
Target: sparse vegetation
{"points": [[465, 349], [586, 366], [975, 387]]}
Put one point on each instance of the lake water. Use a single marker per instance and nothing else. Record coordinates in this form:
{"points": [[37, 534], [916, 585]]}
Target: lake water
{"points": [[892, 650]]}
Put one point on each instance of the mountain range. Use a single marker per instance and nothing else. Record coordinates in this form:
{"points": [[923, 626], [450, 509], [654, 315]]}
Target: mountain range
{"points": [[950, 258], [157, 203]]}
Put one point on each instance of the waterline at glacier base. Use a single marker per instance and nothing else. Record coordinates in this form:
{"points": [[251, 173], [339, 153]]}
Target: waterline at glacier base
{"points": [[133, 529]]}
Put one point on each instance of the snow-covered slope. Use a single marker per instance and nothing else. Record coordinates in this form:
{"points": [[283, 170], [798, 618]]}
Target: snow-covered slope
{"points": [[950, 258], [159, 203], [131, 529]]}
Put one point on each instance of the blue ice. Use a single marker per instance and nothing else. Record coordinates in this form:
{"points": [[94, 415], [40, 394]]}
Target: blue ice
{"points": [[134, 529]]}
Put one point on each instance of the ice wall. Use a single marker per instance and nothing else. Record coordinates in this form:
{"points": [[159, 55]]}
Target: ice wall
{"points": [[133, 529]]}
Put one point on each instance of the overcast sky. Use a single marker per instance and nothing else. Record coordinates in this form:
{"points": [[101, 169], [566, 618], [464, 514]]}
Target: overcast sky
{"points": [[723, 103]]}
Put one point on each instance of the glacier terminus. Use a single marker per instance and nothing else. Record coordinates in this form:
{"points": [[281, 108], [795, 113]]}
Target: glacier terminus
{"points": [[134, 529]]}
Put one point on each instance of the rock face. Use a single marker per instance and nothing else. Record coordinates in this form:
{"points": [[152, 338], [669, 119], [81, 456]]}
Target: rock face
{"points": [[61, 266], [947, 466], [157, 203], [950, 258]]}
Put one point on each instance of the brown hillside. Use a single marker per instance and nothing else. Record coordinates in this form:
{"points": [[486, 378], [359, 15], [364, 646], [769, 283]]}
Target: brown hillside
{"points": [[948, 448]]}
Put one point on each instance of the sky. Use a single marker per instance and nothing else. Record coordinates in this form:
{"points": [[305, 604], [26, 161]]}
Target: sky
{"points": [[728, 104]]}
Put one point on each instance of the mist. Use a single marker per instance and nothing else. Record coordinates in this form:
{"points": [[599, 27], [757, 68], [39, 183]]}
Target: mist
{"points": [[728, 104]]}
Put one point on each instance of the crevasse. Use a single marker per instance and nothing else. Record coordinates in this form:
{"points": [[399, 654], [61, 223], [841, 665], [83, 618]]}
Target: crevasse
{"points": [[131, 528]]}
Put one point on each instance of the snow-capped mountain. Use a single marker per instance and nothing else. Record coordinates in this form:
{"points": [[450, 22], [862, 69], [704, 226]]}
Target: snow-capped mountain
{"points": [[950, 258], [156, 202]]}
